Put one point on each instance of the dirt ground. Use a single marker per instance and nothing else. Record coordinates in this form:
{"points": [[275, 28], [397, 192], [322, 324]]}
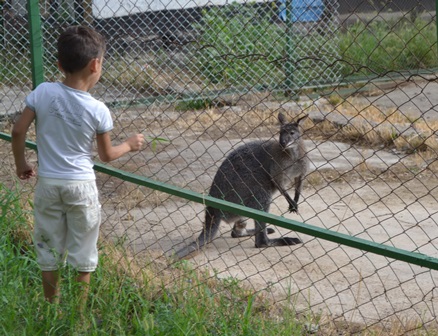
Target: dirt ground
{"points": [[320, 275], [381, 195]]}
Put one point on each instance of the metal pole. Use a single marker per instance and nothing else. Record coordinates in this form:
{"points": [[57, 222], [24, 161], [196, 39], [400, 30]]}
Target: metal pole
{"points": [[2, 31], [436, 20], [36, 45], [289, 50]]}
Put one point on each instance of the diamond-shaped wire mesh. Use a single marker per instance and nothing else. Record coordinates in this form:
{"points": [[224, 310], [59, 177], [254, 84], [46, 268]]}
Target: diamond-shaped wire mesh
{"points": [[200, 79]]}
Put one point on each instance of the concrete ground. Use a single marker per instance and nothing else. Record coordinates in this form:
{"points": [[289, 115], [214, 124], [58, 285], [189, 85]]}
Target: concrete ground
{"points": [[335, 281]]}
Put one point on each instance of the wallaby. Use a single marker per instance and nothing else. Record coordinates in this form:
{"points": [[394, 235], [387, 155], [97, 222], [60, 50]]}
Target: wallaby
{"points": [[251, 175]]}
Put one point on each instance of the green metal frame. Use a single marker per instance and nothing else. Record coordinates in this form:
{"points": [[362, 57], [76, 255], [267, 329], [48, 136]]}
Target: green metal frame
{"points": [[289, 51], [36, 42]]}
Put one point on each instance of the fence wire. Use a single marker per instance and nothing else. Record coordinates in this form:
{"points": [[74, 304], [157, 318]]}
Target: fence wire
{"points": [[199, 80]]}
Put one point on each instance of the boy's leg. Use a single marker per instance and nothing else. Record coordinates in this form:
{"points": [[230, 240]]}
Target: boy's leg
{"points": [[83, 280], [51, 286], [83, 218], [49, 236]]}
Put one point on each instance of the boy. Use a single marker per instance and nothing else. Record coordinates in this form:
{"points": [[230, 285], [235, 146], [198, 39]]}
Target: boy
{"points": [[66, 206]]}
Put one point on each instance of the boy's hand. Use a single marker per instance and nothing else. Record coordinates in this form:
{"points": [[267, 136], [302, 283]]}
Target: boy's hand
{"points": [[135, 142], [25, 172]]}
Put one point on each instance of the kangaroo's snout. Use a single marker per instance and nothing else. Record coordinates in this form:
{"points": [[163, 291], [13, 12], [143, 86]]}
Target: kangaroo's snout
{"points": [[289, 136], [286, 143]]}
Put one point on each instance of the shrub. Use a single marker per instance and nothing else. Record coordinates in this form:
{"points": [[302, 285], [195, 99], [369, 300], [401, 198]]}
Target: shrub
{"points": [[239, 45], [380, 47]]}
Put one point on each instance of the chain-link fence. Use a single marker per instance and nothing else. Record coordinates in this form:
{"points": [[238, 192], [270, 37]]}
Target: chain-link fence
{"points": [[200, 79]]}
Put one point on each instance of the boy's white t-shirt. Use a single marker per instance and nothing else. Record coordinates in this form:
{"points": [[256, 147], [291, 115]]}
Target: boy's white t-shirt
{"points": [[67, 121]]}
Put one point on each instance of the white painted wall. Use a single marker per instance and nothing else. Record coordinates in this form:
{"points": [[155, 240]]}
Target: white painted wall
{"points": [[113, 8]]}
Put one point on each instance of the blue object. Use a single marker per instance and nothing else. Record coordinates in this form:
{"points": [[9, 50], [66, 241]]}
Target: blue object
{"points": [[303, 10]]}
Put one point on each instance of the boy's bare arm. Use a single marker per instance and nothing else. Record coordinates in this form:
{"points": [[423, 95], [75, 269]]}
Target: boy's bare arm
{"points": [[19, 131], [107, 152]]}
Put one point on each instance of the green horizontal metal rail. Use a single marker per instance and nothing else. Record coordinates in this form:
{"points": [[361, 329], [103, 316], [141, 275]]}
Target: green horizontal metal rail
{"points": [[335, 237]]}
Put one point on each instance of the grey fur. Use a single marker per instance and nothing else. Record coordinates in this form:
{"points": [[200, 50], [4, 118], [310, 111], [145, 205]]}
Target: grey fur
{"points": [[251, 175]]}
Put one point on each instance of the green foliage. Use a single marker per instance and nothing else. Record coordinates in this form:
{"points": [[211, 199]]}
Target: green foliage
{"points": [[195, 104], [383, 46], [239, 45], [313, 57], [154, 141]]}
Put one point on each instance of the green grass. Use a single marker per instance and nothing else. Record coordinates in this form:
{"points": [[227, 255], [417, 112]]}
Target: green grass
{"points": [[129, 299], [194, 104], [383, 46]]}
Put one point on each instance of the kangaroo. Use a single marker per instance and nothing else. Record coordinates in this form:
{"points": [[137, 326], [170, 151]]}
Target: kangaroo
{"points": [[250, 175]]}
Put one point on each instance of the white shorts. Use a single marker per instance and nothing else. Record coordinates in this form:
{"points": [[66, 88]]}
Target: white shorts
{"points": [[67, 221]]}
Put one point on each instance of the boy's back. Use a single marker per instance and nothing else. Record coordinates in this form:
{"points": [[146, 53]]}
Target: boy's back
{"points": [[67, 123]]}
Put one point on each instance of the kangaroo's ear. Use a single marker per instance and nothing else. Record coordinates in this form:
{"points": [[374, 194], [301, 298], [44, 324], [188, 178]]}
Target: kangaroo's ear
{"points": [[282, 118], [299, 119]]}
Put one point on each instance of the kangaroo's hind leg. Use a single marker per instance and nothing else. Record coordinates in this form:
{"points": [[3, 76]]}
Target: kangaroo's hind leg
{"points": [[262, 240], [240, 230]]}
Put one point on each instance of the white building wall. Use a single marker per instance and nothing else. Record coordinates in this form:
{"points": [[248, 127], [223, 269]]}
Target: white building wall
{"points": [[113, 8]]}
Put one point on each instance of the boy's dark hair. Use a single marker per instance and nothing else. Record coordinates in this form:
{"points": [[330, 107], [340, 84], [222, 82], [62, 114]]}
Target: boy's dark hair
{"points": [[77, 46]]}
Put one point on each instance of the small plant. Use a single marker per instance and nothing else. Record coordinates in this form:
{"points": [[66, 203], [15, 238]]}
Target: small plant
{"points": [[335, 99], [16, 218], [195, 104], [155, 141]]}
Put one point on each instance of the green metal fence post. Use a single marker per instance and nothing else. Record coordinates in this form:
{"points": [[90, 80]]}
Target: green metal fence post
{"points": [[289, 49], [36, 44], [2, 32]]}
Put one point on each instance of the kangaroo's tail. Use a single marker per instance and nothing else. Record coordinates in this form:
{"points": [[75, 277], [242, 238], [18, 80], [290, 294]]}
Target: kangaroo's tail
{"points": [[211, 227]]}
